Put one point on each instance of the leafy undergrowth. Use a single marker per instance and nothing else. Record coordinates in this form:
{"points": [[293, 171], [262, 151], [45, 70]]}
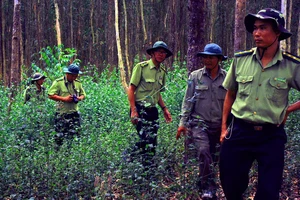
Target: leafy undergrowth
{"points": [[92, 167]]}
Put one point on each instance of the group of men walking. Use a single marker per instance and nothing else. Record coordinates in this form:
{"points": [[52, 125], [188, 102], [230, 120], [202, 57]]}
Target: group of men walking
{"points": [[240, 113], [243, 112]]}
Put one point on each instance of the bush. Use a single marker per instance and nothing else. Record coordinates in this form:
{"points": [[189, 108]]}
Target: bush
{"points": [[92, 166]]}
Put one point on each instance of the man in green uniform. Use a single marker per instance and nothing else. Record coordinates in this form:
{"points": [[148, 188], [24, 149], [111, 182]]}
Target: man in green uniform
{"points": [[201, 116], [34, 100], [35, 90], [147, 82], [258, 84], [67, 91]]}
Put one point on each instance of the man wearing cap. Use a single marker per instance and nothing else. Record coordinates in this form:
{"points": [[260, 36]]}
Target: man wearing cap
{"points": [[67, 91], [146, 84], [35, 90], [201, 116], [258, 84]]}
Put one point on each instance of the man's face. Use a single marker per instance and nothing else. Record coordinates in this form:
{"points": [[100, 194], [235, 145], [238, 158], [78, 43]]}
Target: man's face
{"points": [[40, 81], [71, 77], [160, 55], [210, 62], [263, 33]]}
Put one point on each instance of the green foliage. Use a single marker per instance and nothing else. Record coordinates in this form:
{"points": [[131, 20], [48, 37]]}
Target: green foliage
{"points": [[92, 166], [226, 63], [55, 59]]}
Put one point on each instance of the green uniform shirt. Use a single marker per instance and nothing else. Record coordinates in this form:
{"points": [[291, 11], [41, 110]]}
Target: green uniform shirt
{"points": [[62, 87], [31, 93], [149, 82], [262, 93], [204, 98]]}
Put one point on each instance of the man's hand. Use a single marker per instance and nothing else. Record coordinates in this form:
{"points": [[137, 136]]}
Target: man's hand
{"points": [[286, 116], [180, 130], [68, 99], [134, 117], [224, 132], [167, 115]]}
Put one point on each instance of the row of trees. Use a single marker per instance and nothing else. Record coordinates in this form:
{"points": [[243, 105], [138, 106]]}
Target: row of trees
{"points": [[115, 33]]}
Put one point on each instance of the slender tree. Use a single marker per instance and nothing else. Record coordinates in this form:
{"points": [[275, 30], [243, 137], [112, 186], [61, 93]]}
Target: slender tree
{"points": [[196, 32], [119, 49], [283, 10], [57, 25], [143, 22], [91, 44], [298, 36], [212, 18], [110, 40], [15, 73], [127, 61], [288, 24], [239, 30], [71, 24], [4, 51], [1, 43]]}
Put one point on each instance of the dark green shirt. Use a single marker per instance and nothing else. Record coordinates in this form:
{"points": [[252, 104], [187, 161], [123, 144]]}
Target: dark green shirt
{"points": [[149, 82], [262, 93], [33, 94], [204, 98]]}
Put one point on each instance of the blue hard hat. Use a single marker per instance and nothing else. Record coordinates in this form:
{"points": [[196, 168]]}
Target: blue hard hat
{"points": [[72, 69], [212, 49]]}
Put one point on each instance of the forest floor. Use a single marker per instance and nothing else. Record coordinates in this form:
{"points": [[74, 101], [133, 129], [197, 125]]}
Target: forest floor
{"points": [[289, 191]]}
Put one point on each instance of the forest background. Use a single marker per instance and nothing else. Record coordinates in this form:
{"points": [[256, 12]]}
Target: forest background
{"points": [[107, 38], [114, 33]]}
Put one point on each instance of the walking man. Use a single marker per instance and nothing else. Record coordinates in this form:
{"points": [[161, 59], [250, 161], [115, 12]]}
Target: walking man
{"points": [[201, 116], [67, 91], [258, 84], [144, 93]]}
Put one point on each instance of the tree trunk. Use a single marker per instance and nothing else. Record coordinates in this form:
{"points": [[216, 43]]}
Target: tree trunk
{"points": [[298, 36], [138, 38], [288, 24], [119, 49], [15, 73], [283, 10], [128, 64], [57, 25], [1, 42], [212, 18], [4, 68], [71, 24], [196, 28], [110, 39], [91, 44], [172, 21], [143, 22], [239, 30]]}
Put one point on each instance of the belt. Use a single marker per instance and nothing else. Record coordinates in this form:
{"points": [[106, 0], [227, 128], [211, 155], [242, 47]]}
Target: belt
{"points": [[256, 126]]}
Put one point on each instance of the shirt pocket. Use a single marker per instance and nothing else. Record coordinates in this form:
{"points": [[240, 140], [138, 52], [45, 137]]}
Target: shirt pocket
{"points": [[148, 84], [244, 84], [278, 89], [221, 93], [201, 91]]}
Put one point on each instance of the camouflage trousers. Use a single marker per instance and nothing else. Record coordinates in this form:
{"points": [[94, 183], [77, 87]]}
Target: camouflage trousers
{"points": [[66, 126]]}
